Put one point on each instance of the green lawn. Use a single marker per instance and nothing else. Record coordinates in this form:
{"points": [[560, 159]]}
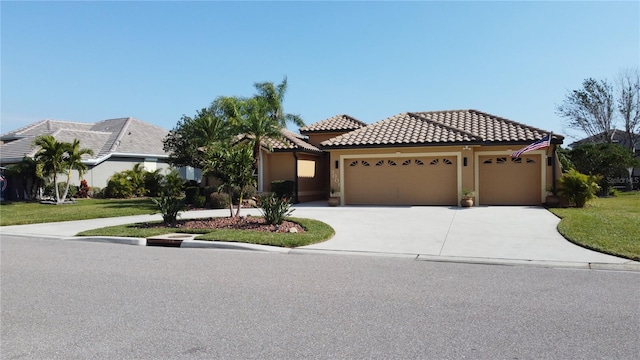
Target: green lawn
{"points": [[609, 225], [315, 231], [19, 213]]}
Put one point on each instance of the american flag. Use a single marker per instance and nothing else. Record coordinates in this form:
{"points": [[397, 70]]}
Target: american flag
{"points": [[542, 143]]}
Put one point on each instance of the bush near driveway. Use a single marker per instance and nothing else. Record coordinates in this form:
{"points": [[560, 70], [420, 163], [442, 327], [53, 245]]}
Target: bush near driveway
{"points": [[609, 225]]}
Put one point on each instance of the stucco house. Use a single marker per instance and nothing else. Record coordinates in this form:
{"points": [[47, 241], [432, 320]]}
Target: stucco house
{"points": [[117, 145], [418, 158]]}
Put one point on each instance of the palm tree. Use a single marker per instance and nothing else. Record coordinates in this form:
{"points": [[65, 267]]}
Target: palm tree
{"points": [[274, 96], [74, 162], [257, 125], [52, 157]]}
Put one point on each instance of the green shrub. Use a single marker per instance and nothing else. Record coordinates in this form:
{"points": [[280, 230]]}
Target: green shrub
{"points": [[172, 184], [249, 192], [169, 207], [119, 186], [283, 188], [275, 209], [152, 183], [96, 192], [199, 201], [578, 188], [190, 194], [49, 189], [219, 200]]}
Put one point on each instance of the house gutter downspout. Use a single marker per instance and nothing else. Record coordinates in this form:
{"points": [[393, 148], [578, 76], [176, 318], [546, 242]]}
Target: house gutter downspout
{"points": [[295, 181]]}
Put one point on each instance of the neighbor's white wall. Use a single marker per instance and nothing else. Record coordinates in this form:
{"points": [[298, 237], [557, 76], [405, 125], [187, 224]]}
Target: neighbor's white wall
{"points": [[99, 175]]}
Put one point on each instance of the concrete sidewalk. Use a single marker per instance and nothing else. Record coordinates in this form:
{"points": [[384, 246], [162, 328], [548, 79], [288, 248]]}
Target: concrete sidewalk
{"points": [[505, 235]]}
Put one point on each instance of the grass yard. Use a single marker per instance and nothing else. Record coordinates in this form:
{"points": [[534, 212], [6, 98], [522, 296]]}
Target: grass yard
{"points": [[609, 225], [20, 213], [315, 231]]}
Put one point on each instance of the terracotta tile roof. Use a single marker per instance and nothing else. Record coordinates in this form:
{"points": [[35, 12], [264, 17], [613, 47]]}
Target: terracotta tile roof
{"points": [[439, 128], [290, 142], [338, 123]]}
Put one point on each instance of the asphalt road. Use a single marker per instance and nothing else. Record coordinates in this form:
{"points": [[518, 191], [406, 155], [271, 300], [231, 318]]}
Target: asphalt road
{"points": [[81, 300]]}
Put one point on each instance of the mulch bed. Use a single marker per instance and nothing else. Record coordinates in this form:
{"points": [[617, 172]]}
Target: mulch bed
{"points": [[238, 223]]}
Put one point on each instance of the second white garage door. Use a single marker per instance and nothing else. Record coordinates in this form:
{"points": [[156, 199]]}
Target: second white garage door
{"points": [[401, 181]]}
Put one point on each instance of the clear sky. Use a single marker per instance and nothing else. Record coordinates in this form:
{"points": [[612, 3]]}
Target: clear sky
{"points": [[155, 61]]}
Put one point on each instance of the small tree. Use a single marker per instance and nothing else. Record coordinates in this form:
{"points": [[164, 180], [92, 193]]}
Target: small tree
{"points": [[629, 105], [231, 164], [28, 172], [578, 188], [607, 160]]}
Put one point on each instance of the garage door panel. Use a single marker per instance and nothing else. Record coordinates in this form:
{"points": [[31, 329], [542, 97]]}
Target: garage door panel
{"points": [[509, 181], [401, 181]]}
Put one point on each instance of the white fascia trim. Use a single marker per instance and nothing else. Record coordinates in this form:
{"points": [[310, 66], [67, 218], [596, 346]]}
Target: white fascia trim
{"points": [[458, 156], [507, 153], [116, 154]]}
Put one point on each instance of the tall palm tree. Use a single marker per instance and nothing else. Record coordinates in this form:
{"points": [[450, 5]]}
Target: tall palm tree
{"points": [[52, 157], [274, 96], [258, 125], [73, 161]]}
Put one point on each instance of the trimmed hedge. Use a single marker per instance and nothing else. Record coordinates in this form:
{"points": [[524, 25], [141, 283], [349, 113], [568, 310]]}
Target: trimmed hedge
{"points": [[283, 188]]}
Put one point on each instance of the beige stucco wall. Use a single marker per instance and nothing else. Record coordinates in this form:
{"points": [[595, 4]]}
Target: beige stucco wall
{"points": [[282, 166], [278, 166]]}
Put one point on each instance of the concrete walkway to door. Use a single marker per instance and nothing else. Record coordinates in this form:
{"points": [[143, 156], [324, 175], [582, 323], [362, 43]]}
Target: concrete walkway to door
{"points": [[489, 232]]}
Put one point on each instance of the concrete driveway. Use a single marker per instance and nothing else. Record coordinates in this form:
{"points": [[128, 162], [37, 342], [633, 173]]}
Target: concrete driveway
{"points": [[498, 232], [487, 234]]}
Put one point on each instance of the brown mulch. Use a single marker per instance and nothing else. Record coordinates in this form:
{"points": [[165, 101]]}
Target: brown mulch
{"points": [[238, 223]]}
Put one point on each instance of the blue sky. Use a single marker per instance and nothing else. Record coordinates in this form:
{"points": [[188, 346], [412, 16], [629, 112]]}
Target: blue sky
{"points": [[89, 61]]}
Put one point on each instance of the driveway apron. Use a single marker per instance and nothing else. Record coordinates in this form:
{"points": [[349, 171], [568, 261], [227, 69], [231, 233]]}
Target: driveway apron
{"points": [[496, 232]]}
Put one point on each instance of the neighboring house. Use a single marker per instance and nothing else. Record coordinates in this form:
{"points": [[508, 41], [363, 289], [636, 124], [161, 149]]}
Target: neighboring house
{"points": [[428, 158], [117, 145], [614, 136]]}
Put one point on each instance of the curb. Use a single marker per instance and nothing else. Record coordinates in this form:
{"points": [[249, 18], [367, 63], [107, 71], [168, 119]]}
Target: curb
{"points": [[203, 244], [111, 239], [631, 266]]}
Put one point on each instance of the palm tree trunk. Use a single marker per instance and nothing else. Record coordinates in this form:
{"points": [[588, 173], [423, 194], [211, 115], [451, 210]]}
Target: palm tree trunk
{"points": [[256, 155], [66, 189], [55, 186]]}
